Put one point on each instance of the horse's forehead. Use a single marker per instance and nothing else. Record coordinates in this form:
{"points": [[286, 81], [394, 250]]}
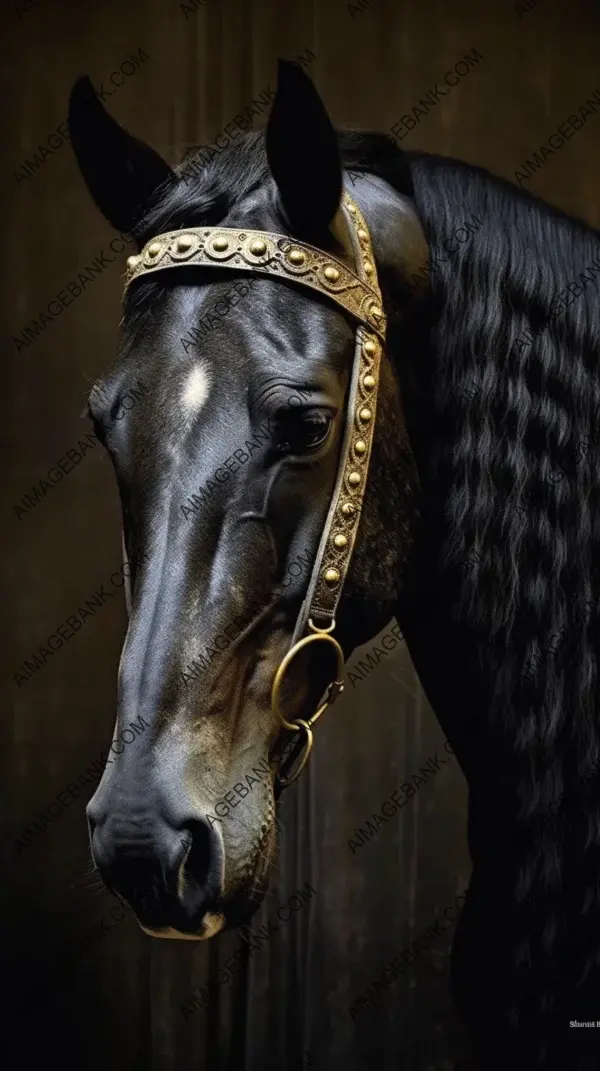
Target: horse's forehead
{"points": [[192, 364], [255, 208], [246, 323]]}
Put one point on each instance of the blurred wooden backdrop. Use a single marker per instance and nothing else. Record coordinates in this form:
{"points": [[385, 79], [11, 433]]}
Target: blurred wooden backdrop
{"points": [[87, 990]]}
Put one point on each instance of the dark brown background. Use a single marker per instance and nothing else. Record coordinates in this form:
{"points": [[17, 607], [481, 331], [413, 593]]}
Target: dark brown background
{"points": [[120, 1007]]}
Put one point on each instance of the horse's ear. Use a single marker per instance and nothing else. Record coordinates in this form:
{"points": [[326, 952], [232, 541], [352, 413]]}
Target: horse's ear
{"points": [[302, 153], [121, 172]]}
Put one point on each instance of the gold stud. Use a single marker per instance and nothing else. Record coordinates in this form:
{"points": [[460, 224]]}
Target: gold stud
{"points": [[340, 540], [332, 274], [375, 312], [258, 247], [368, 267], [184, 243], [332, 576], [348, 510], [154, 249], [354, 479], [351, 209], [297, 256], [370, 348], [368, 381], [220, 244], [360, 447], [365, 415], [362, 234], [132, 262]]}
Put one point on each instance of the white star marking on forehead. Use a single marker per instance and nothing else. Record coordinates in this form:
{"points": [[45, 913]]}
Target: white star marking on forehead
{"points": [[195, 391]]}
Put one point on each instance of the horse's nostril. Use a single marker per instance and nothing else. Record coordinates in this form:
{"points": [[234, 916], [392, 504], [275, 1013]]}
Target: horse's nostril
{"points": [[197, 840]]}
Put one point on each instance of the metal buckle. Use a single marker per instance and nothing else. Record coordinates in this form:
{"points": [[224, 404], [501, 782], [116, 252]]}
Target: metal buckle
{"points": [[334, 689]]}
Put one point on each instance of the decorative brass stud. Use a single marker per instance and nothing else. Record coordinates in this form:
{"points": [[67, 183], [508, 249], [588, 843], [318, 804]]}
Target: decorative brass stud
{"points": [[365, 415], [220, 244], [375, 312], [132, 262], [154, 249], [332, 576], [184, 243], [340, 540], [258, 247], [368, 381], [360, 447], [354, 479], [362, 234], [331, 273], [368, 267], [370, 348], [348, 510], [297, 256], [351, 209]]}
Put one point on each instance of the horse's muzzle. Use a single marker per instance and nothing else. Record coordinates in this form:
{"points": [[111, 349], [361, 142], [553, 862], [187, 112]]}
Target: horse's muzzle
{"points": [[171, 875]]}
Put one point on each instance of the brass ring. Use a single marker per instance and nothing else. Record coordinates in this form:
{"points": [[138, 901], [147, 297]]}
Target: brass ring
{"points": [[324, 637]]}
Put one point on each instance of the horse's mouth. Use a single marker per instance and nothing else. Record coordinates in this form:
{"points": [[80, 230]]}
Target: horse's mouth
{"points": [[212, 924], [238, 914], [172, 920]]}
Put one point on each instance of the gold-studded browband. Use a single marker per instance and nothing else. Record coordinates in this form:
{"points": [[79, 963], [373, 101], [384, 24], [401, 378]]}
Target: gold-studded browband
{"points": [[359, 294], [271, 254]]}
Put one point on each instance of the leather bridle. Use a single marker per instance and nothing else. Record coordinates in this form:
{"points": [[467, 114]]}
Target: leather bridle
{"points": [[358, 293]]}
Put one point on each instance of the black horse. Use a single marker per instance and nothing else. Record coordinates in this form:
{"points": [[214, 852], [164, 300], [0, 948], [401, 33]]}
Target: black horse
{"points": [[487, 557]]}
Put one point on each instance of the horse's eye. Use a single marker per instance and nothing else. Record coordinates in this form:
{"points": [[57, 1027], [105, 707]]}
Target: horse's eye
{"points": [[300, 431]]}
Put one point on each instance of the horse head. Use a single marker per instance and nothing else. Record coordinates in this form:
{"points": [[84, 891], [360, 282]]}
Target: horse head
{"points": [[227, 467]]}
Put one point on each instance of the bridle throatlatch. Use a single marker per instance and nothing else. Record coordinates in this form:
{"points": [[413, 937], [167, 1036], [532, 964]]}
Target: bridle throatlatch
{"points": [[358, 293]]}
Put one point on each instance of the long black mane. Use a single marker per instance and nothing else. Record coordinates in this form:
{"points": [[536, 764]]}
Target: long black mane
{"points": [[516, 391], [517, 366]]}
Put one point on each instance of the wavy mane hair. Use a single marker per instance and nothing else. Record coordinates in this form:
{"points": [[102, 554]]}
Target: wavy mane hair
{"points": [[517, 366], [515, 385]]}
